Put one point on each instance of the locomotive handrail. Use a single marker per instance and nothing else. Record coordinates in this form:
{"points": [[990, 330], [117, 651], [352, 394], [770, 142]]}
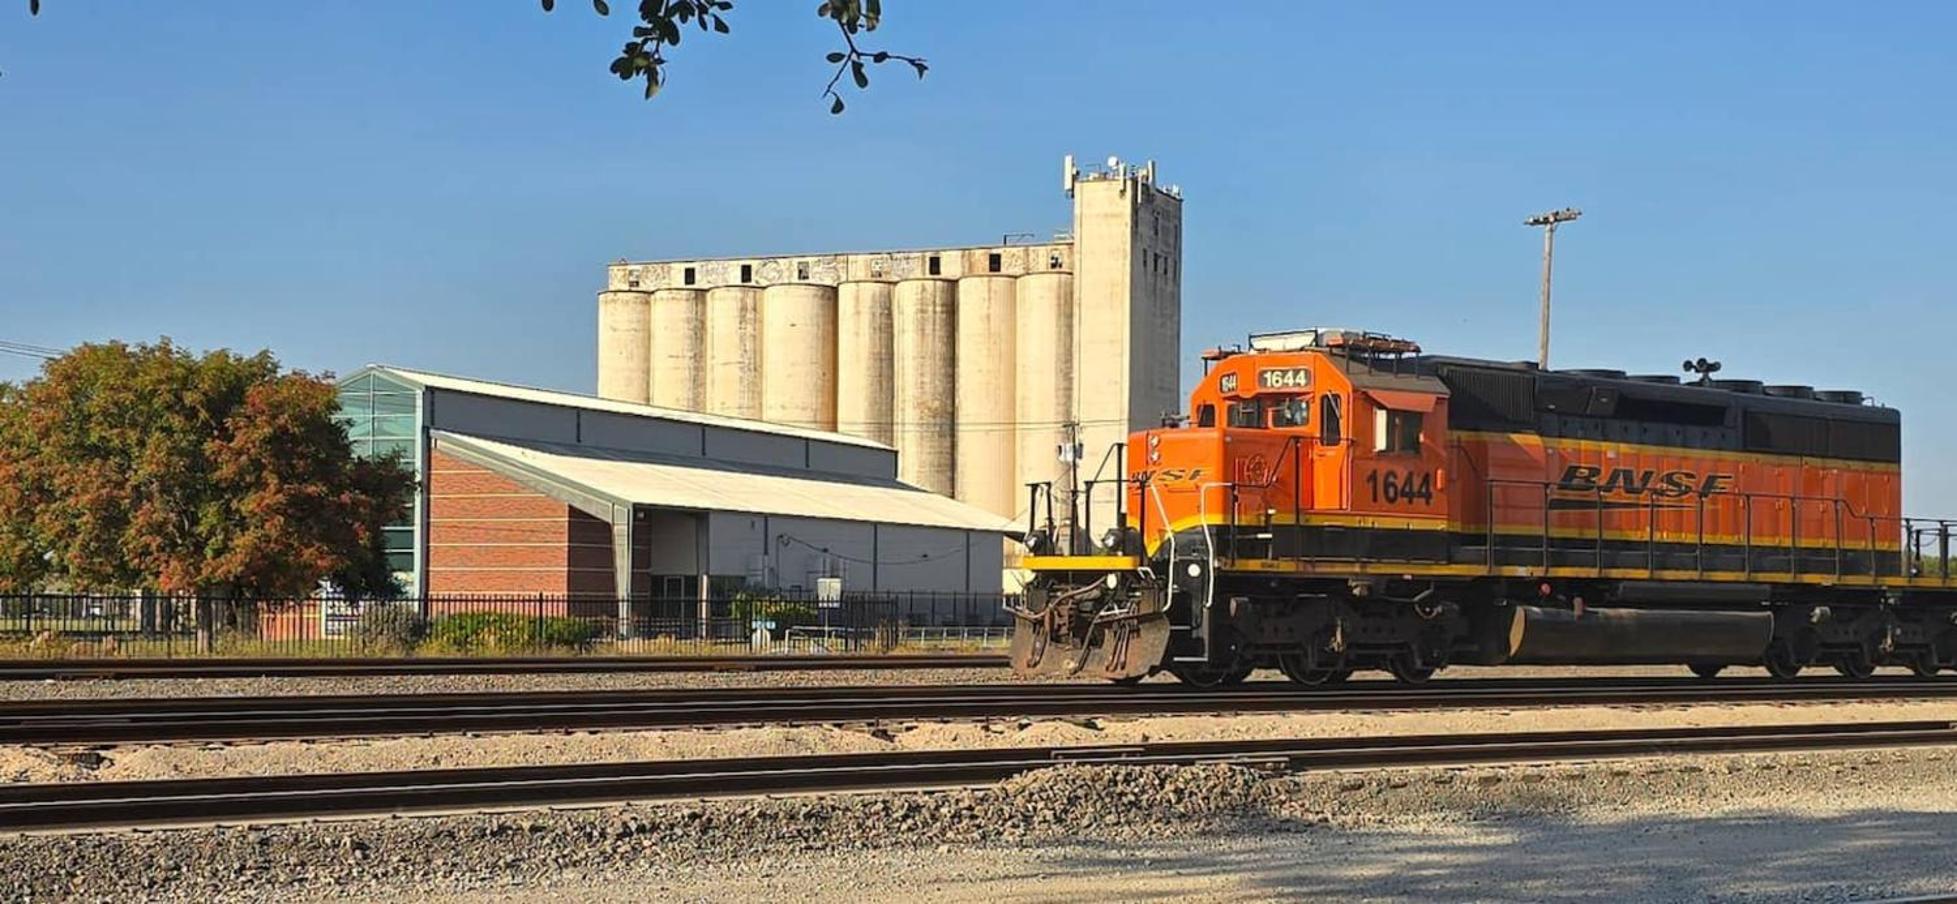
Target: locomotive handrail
{"points": [[1841, 510]]}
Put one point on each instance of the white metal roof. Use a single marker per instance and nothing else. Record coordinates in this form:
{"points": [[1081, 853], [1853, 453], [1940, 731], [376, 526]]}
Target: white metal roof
{"points": [[594, 403], [643, 479]]}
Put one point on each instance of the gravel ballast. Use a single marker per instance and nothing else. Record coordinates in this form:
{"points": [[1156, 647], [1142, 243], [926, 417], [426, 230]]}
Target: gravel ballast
{"points": [[1831, 826]]}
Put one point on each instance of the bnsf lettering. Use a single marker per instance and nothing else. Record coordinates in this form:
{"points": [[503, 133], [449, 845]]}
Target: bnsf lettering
{"points": [[1171, 475], [1666, 484]]}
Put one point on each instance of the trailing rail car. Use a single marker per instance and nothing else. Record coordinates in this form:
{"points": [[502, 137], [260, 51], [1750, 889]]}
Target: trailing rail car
{"points": [[1337, 500]]}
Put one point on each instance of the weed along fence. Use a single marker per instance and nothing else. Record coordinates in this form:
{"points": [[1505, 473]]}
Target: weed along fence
{"points": [[56, 626]]}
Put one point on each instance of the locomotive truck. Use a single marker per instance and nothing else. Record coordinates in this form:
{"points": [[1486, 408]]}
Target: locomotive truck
{"points": [[1336, 500]]}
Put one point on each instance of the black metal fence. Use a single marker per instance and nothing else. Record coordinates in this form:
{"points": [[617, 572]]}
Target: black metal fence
{"points": [[756, 623]]}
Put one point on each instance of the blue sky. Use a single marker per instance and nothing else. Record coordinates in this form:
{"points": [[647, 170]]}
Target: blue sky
{"points": [[439, 184]]}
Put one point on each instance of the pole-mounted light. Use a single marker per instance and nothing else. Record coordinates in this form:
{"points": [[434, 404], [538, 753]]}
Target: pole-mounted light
{"points": [[1548, 222]]}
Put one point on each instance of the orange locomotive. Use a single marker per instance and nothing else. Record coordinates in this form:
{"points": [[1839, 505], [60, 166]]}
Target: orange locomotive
{"points": [[1337, 500]]}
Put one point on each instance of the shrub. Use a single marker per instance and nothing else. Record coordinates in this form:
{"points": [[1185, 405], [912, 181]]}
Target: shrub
{"points": [[508, 632], [783, 612], [390, 627]]}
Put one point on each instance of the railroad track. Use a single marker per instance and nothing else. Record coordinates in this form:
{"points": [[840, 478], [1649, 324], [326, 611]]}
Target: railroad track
{"points": [[51, 670], [202, 719], [81, 805]]}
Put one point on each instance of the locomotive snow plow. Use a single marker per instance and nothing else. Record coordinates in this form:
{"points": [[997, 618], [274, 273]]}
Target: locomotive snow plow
{"points": [[1337, 500], [1114, 626]]}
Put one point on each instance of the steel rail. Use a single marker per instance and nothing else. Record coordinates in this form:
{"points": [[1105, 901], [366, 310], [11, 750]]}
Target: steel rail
{"points": [[32, 807], [68, 669], [203, 719]]}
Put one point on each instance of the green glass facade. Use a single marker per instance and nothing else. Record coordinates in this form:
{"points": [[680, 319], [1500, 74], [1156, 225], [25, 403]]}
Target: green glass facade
{"points": [[383, 416]]}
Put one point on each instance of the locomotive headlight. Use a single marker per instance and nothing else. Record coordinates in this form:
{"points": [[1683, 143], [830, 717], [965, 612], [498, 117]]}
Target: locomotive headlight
{"points": [[1195, 570], [1111, 581]]}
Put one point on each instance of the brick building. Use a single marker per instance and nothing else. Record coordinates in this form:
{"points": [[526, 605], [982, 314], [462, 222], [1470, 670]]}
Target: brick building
{"points": [[540, 492]]}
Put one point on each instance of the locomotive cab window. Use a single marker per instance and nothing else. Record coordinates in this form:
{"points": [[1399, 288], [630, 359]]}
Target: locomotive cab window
{"points": [[1397, 431], [1249, 413], [1206, 416], [1330, 427], [1290, 412]]}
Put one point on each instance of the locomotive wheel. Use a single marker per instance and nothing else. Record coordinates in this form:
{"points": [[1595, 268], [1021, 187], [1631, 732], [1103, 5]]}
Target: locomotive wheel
{"points": [[1294, 668], [1403, 668], [1924, 664], [1706, 669], [1207, 677], [1780, 661], [1857, 665]]}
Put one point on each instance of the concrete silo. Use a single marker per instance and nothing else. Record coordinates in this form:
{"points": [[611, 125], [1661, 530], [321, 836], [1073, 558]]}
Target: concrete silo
{"points": [[924, 375], [624, 346], [1083, 328], [1044, 398], [987, 393], [865, 359], [734, 351], [798, 366], [679, 342]]}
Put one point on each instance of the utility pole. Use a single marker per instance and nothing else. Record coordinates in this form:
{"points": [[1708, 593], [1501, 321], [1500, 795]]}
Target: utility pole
{"points": [[1548, 223]]}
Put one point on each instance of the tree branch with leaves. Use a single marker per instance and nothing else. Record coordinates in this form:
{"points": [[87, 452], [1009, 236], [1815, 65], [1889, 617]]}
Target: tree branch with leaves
{"points": [[663, 22]]}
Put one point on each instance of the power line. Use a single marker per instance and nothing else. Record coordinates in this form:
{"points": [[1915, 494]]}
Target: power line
{"points": [[28, 350]]}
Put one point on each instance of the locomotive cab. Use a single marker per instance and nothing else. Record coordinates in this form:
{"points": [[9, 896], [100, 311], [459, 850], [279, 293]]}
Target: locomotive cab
{"points": [[1321, 433]]}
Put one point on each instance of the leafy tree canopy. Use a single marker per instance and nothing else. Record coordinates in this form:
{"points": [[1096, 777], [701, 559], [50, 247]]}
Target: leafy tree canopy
{"points": [[127, 467]]}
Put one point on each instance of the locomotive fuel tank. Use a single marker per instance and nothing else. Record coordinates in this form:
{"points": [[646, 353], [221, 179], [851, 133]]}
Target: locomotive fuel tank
{"points": [[1546, 636]]}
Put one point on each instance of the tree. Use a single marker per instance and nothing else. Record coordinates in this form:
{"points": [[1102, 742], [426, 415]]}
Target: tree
{"points": [[144, 467], [663, 22]]}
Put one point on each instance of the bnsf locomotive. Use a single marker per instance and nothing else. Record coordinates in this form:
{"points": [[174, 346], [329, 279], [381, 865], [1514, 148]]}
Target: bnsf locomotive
{"points": [[1337, 500]]}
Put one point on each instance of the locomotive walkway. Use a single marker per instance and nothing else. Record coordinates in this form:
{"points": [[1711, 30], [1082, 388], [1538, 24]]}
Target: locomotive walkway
{"points": [[231, 800], [202, 719]]}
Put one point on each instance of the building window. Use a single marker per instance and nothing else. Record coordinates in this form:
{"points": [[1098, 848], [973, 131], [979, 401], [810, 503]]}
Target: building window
{"points": [[1053, 260], [876, 268], [931, 265], [747, 273], [993, 262], [688, 276], [382, 418], [1399, 431], [801, 269]]}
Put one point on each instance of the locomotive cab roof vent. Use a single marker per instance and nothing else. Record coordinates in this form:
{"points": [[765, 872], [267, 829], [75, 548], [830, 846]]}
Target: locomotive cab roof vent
{"points": [[1839, 396], [1605, 372], [1790, 391], [1750, 387], [1668, 379]]}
